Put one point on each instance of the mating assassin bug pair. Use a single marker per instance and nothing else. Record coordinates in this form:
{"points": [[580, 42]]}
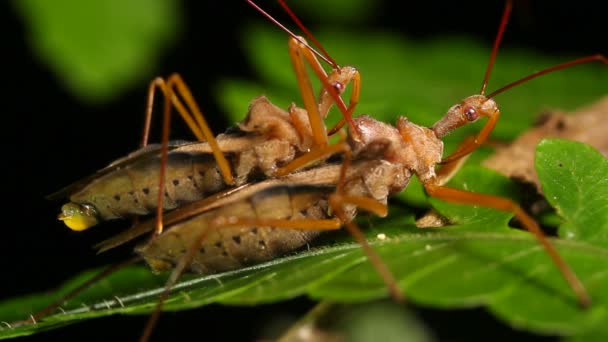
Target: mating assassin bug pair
{"points": [[394, 154]]}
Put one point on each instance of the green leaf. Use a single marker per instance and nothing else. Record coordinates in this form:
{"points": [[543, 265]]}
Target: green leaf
{"points": [[575, 181], [479, 262], [100, 47]]}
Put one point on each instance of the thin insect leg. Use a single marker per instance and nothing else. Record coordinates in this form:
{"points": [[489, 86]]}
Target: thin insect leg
{"points": [[176, 82], [164, 151], [170, 98], [302, 224], [327, 96], [472, 144], [317, 112], [338, 79], [297, 55], [467, 197], [218, 223], [337, 200], [175, 274], [308, 53], [327, 224], [310, 157], [161, 84], [336, 203], [354, 100], [176, 215], [449, 168]]}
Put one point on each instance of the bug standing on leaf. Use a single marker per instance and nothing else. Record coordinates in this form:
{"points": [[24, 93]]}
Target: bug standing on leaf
{"points": [[376, 161]]}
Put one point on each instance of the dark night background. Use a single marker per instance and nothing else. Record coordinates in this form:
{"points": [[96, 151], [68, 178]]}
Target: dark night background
{"points": [[42, 150]]}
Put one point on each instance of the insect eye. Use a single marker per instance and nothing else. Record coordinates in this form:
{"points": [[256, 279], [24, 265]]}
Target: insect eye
{"points": [[339, 87], [471, 114]]}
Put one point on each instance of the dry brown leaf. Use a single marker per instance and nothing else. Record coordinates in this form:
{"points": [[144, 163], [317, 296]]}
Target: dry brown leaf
{"points": [[588, 125]]}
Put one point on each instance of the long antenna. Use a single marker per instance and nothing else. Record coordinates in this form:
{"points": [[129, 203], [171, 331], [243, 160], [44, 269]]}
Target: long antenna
{"points": [[501, 30], [307, 32], [592, 58], [293, 35]]}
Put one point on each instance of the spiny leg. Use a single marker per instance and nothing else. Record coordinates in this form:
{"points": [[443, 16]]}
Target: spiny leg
{"points": [[467, 197]]}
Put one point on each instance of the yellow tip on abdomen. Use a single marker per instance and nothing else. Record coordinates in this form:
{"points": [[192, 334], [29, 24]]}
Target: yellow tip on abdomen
{"points": [[78, 217]]}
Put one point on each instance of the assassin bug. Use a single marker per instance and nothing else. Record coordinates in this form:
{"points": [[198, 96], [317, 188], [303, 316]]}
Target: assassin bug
{"points": [[442, 128]]}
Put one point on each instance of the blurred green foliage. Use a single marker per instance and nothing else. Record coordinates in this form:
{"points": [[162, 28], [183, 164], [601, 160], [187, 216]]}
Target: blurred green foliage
{"points": [[98, 48]]}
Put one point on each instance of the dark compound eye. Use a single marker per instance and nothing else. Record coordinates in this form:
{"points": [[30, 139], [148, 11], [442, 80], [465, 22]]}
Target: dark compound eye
{"points": [[339, 87], [471, 114]]}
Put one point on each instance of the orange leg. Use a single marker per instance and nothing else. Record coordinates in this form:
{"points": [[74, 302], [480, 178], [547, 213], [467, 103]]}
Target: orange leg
{"points": [[173, 277], [170, 88], [173, 86], [467, 197], [218, 223], [354, 100], [310, 157], [160, 84], [337, 200], [450, 166], [333, 86], [299, 51], [471, 145]]}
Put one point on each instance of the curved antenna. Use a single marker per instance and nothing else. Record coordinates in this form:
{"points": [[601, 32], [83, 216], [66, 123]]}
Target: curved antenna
{"points": [[591, 58], [307, 32], [501, 30], [293, 35]]}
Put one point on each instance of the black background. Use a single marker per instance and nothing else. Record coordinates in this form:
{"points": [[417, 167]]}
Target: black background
{"points": [[43, 150]]}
